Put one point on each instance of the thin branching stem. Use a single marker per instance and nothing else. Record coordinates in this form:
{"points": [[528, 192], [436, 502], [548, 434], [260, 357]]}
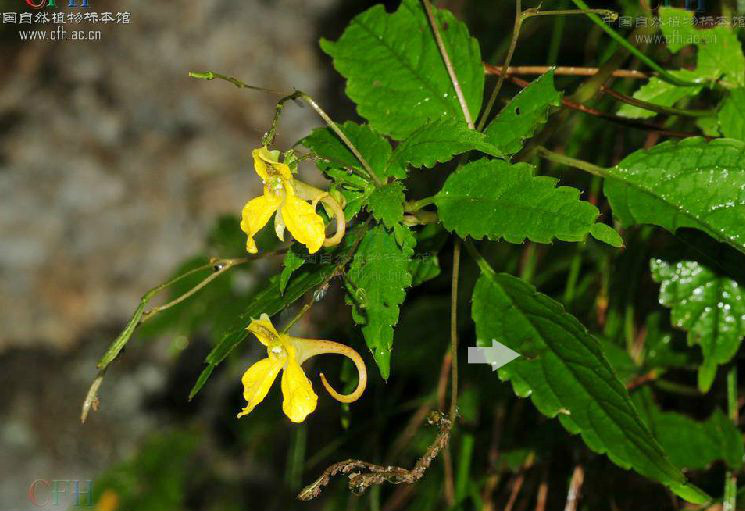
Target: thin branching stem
{"points": [[508, 59], [448, 64], [209, 75]]}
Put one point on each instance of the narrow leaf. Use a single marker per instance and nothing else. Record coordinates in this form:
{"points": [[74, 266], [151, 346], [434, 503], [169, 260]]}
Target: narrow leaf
{"points": [[271, 301], [564, 372]]}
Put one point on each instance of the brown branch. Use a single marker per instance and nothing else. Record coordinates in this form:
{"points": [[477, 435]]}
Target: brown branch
{"points": [[362, 474], [575, 487], [540, 500], [631, 123], [517, 482], [575, 71]]}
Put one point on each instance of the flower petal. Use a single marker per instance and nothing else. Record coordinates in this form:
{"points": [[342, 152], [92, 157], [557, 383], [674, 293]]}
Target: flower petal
{"points": [[256, 213], [304, 223], [263, 157], [260, 165], [279, 226], [299, 398], [257, 380], [264, 331]]}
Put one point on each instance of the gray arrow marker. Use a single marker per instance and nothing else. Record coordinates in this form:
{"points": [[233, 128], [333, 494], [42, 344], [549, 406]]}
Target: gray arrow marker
{"points": [[496, 356]]}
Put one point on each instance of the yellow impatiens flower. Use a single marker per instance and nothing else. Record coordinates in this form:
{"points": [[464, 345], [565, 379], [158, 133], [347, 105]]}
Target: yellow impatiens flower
{"points": [[287, 197], [287, 353]]}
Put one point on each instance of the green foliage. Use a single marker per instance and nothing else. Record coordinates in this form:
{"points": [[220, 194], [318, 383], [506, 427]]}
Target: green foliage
{"points": [[494, 199], [293, 261], [523, 115], [711, 308], [732, 115], [691, 444], [387, 204], [438, 142], [601, 384], [378, 278], [606, 234], [564, 372], [425, 264], [719, 53], [336, 155], [659, 92], [395, 73], [691, 183], [271, 300]]}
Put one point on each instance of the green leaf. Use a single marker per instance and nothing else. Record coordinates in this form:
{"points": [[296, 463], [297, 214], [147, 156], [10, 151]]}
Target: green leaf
{"points": [[387, 204], [732, 115], [292, 262], [271, 301], [661, 93], [494, 199], [379, 275], [711, 308], [371, 145], [606, 234], [718, 53], [691, 183], [438, 142], [564, 372], [691, 444], [395, 72], [425, 264], [524, 114]]}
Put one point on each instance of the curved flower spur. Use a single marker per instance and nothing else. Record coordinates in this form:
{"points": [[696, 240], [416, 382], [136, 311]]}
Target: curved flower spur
{"points": [[287, 353], [294, 203]]}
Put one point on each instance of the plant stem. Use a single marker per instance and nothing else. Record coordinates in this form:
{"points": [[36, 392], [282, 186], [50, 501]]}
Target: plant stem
{"points": [[575, 71], [448, 63], [500, 81], [414, 206], [630, 47], [331, 124], [454, 327], [563, 159], [730, 481], [209, 75], [655, 108]]}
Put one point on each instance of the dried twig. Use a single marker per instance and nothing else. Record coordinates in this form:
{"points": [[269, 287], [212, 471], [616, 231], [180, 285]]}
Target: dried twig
{"points": [[575, 487], [362, 474], [517, 482], [575, 71]]}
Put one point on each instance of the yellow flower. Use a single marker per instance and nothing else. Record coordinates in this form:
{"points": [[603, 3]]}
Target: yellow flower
{"points": [[287, 353], [280, 196]]}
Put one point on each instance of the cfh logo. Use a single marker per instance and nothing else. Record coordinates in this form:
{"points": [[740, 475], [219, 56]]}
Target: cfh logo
{"points": [[60, 492], [52, 4]]}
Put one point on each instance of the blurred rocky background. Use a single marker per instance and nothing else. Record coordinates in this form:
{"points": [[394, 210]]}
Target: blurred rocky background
{"points": [[113, 167]]}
